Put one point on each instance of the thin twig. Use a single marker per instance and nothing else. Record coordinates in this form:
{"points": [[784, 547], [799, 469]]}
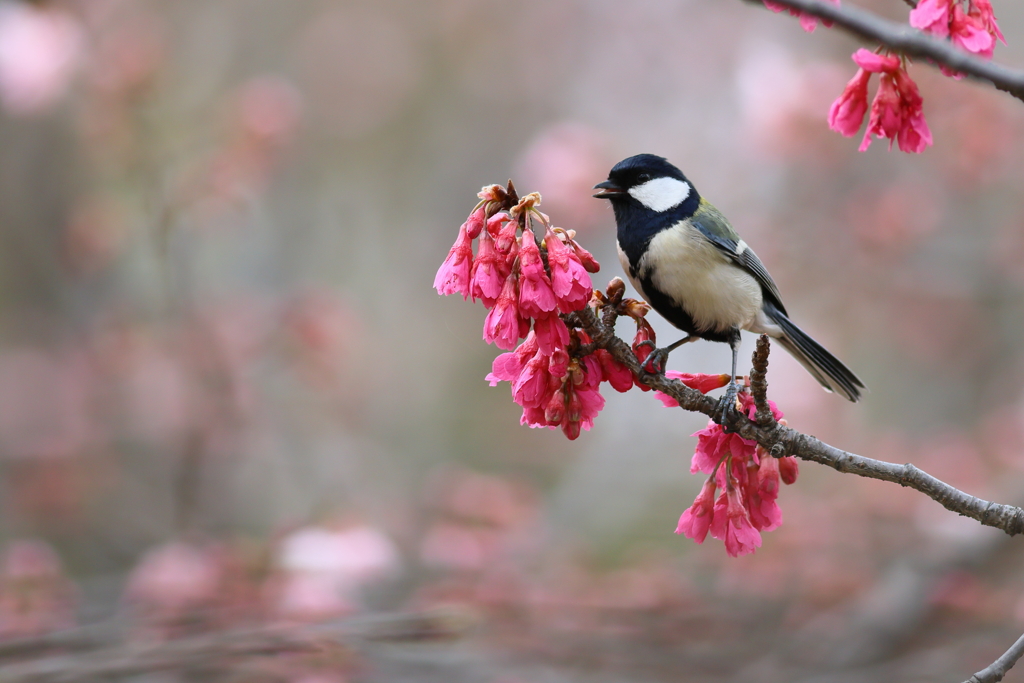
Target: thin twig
{"points": [[911, 42], [996, 670], [759, 383], [779, 441]]}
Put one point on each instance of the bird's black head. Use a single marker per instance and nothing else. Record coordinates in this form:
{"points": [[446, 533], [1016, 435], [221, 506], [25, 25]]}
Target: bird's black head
{"points": [[648, 182]]}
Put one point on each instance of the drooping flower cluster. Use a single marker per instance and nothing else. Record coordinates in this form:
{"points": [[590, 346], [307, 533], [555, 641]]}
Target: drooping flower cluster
{"points": [[528, 285], [509, 273], [896, 112], [747, 477], [974, 30], [807, 22]]}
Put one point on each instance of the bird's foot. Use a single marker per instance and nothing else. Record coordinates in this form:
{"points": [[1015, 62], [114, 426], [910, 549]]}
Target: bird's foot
{"points": [[727, 403], [655, 362]]}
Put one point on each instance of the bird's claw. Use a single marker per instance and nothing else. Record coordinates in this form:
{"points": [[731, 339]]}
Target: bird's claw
{"points": [[727, 403], [655, 362]]}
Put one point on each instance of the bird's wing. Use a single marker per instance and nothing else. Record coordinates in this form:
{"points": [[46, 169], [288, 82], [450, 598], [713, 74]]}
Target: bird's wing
{"points": [[713, 225]]}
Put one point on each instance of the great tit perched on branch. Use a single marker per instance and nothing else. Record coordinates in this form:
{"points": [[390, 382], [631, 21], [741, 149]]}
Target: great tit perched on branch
{"points": [[688, 263]]}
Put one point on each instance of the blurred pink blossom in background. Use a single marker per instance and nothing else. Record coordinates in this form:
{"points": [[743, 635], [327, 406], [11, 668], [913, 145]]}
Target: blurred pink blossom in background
{"points": [[40, 50], [35, 595], [321, 570]]}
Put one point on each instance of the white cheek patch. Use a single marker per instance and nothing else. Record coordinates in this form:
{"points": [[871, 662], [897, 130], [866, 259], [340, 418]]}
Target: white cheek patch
{"points": [[661, 194]]}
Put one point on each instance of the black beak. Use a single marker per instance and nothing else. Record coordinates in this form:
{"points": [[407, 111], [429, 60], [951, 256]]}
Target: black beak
{"points": [[608, 189]]}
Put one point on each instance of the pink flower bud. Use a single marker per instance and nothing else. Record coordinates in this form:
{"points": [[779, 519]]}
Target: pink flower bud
{"points": [[789, 469], [585, 257], [492, 193], [768, 477], [475, 223], [700, 382], [869, 61], [554, 411], [616, 288], [505, 237], [558, 363]]}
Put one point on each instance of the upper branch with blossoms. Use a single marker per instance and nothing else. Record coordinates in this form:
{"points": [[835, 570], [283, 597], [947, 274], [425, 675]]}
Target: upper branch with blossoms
{"points": [[913, 43], [963, 35]]}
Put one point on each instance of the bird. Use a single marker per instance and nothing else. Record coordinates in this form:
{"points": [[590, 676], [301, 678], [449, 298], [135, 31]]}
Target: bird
{"points": [[685, 259]]}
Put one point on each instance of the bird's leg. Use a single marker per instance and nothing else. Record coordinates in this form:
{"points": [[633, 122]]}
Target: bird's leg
{"points": [[728, 401], [656, 361]]}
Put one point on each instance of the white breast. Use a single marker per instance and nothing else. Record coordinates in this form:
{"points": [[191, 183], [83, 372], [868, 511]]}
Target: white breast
{"points": [[702, 280], [624, 261]]}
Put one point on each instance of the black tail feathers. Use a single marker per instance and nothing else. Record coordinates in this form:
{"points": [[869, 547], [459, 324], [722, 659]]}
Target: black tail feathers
{"points": [[822, 365]]}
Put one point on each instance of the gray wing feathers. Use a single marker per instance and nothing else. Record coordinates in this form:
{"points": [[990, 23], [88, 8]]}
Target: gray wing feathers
{"points": [[713, 225]]}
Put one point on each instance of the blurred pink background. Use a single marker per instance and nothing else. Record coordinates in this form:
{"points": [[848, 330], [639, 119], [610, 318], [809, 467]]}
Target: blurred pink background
{"points": [[229, 396]]}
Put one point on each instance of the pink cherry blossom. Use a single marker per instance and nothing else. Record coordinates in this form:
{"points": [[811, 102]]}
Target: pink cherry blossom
{"points": [[765, 514], [569, 279], [532, 387], [508, 366], [731, 525], [453, 275], [914, 135], [886, 113], [847, 112], [968, 32], [983, 10], [932, 16], [617, 374], [551, 333], [501, 327], [486, 276], [536, 296], [695, 522]]}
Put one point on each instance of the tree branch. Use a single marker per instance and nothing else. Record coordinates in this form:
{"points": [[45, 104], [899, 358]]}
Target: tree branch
{"points": [[995, 671], [911, 42], [779, 440], [226, 648]]}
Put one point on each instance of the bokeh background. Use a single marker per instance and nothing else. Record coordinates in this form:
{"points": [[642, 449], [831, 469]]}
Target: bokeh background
{"points": [[229, 395]]}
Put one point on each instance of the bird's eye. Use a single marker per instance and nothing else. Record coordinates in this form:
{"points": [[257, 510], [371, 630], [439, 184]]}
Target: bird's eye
{"points": [[643, 177]]}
